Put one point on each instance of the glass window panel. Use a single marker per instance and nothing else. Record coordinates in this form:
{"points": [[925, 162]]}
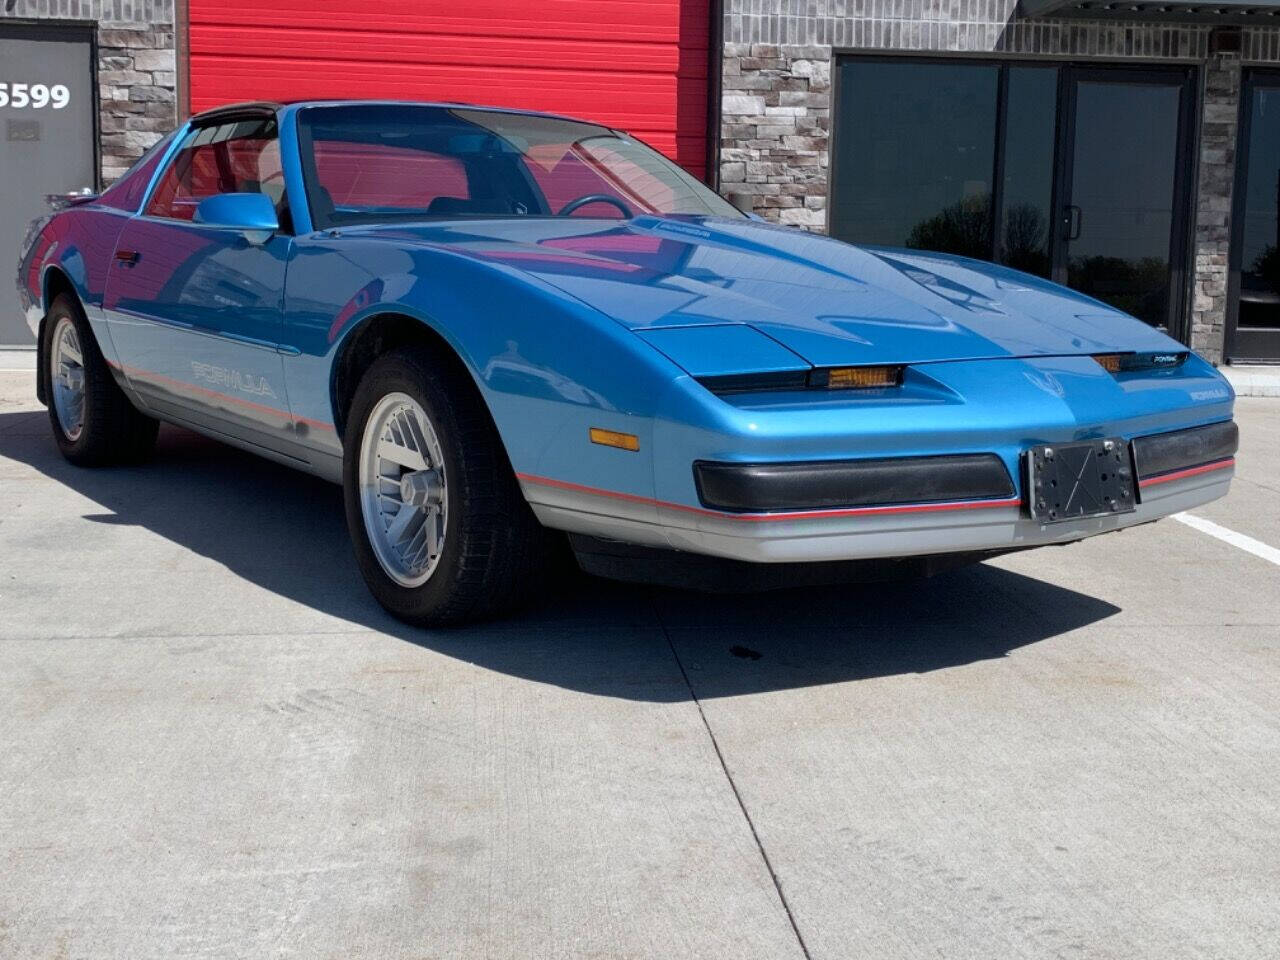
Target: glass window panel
{"points": [[239, 157], [1260, 248], [386, 176], [916, 151], [1031, 122], [366, 164], [1124, 167]]}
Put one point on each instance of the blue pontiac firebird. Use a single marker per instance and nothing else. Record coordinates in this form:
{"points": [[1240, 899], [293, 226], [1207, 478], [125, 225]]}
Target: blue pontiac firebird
{"points": [[490, 326]]}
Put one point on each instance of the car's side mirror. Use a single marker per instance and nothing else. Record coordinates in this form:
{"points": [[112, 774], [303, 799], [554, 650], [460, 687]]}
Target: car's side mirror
{"points": [[251, 213]]}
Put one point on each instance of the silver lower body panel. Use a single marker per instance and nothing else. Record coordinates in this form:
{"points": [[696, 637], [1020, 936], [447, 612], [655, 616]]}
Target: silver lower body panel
{"points": [[815, 538]]}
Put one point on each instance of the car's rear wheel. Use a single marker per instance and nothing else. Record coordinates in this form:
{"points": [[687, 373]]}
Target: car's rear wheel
{"points": [[94, 423], [441, 531]]}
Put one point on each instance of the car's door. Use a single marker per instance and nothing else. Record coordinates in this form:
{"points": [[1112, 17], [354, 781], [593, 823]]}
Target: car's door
{"points": [[195, 311]]}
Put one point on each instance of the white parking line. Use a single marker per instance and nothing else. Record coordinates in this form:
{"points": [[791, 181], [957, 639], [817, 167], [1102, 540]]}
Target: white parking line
{"points": [[1248, 544]]}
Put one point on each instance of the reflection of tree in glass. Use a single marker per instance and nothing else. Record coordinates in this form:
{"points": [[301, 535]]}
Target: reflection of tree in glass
{"points": [[1267, 267], [1025, 232], [963, 228], [1139, 288]]}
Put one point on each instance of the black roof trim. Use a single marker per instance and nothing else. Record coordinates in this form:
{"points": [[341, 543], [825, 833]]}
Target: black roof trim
{"points": [[254, 108]]}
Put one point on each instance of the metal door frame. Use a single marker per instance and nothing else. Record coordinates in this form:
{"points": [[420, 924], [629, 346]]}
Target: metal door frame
{"points": [[1271, 76], [1181, 76], [72, 31]]}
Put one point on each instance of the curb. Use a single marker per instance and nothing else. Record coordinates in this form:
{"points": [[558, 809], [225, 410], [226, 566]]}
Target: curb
{"points": [[17, 360], [1253, 381]]}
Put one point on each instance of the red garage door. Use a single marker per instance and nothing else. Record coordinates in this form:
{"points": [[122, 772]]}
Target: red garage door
{"points": [[636, 64]]}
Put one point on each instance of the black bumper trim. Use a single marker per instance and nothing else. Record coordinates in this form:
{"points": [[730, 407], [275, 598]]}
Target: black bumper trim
{"points": [[1182, 449], [832, 484]]}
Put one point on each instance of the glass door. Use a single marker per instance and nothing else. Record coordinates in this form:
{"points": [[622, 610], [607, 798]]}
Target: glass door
{"points": [[1122, 229], [1253, 321], [1078, 174]]}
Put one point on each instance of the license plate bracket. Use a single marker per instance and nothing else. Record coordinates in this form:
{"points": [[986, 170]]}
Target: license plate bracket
{"points": [[1075, 481]]}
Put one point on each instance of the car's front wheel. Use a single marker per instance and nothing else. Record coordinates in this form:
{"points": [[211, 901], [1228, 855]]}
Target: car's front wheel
{"points": [[441, 531], [94, 423]]}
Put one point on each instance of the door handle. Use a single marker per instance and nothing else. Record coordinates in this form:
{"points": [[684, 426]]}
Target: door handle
{"points": [[127, 256], [1073, 221]]}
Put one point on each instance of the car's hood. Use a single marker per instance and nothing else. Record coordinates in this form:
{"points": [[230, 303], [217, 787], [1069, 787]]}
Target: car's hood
{"points": [[829, 302]]}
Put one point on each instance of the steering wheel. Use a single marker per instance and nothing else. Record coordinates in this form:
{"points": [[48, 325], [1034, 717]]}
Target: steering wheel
{"points": [[582, 201]]}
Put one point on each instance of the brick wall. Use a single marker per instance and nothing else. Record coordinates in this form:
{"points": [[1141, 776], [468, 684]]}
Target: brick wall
{"points": [[137, 70], [776, 101]]}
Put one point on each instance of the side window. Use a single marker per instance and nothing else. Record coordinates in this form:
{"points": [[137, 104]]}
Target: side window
{"points": [[270, 171], [238, 157]]}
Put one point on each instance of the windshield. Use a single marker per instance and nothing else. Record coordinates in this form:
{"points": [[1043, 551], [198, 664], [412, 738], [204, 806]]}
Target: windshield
{"points": [[395, 162]]}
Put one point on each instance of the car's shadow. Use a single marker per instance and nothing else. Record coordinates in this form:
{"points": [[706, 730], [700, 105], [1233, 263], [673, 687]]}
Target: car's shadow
{"points": [[284, 531]]}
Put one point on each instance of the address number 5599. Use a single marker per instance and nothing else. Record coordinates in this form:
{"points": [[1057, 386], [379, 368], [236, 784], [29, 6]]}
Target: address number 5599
{"points": [[37, 96]]}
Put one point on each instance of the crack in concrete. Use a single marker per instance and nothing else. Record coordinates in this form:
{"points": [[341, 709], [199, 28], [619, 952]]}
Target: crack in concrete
{"points": [[737, 795]]}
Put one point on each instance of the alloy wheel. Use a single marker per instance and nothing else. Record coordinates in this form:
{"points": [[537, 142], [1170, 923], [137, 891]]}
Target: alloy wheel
{"points": [[403, 489], [67, 376]]}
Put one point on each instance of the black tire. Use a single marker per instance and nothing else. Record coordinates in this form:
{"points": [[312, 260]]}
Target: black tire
{"points": [[491, 558], [113, 431]]}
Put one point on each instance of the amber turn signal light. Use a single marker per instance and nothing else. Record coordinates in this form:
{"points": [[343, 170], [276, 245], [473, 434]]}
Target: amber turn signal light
{"points": [[1109, 362], [862, 378], [611, 438]]}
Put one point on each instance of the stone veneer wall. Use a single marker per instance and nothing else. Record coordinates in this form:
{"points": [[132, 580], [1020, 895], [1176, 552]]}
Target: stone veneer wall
{"points": [[1211, 243], [775, 129], [776, 101], [137, 70]]}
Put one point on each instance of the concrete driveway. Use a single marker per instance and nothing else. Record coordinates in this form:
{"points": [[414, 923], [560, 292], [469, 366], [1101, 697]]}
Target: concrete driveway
{"points": [[213, 744]]}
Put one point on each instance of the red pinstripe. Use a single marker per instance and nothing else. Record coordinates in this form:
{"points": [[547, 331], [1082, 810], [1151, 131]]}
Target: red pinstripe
{"points": [[787, 515], [1189, 472]]}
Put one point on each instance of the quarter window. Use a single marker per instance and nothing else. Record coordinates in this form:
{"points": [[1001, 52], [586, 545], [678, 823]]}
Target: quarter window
{"points": [[126, 193]]}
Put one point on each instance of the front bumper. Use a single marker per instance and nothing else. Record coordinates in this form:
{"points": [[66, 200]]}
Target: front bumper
{"points": [[1176, 471]]}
